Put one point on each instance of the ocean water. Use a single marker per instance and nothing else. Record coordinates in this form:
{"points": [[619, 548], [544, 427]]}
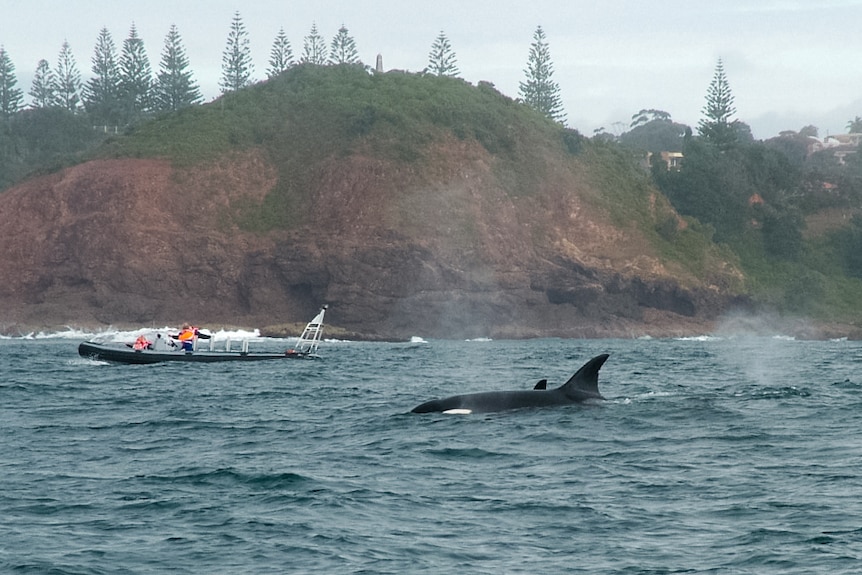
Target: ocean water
{"points": [[711, 455]]}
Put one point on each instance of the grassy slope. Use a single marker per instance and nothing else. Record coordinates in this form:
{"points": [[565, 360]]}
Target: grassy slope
{"points": [[814, 286]]}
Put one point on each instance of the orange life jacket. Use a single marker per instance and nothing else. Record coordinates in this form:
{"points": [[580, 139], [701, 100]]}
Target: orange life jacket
{"points": [[187, 334]]}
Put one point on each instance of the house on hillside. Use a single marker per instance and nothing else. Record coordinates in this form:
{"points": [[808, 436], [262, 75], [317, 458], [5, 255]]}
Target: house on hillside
{"points": [[840, 146], [673, 160]]}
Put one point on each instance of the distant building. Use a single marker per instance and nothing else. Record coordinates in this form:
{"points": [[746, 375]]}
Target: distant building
{"points": [[851, 139], [841, 145], [673, 160]]}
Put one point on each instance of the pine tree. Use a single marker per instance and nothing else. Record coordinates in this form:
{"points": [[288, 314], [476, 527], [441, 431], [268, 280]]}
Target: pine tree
{"points": [[717, 127], [136, 78], [540, 90], [281, 56], [43, 89], [313, 48], [68, 79], [10, 96], [101, 92], [441, 59], [175, 88], [343, 48], [237, 66]]}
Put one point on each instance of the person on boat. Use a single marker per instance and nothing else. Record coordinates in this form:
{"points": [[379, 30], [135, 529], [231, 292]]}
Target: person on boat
{"points": [[187, 337], [142, 343]]}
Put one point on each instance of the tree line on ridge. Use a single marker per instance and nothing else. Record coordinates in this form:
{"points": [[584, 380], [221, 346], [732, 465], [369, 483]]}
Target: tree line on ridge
{"points": [[123, 88]]}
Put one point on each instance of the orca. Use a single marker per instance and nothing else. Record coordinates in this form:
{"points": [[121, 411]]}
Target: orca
{"points": [[582, 386]]}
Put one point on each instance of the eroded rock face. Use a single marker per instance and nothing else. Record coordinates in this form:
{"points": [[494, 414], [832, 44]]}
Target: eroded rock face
{"points": [[445, 253]]}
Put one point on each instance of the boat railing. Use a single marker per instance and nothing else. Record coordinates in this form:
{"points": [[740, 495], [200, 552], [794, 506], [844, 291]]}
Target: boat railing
{"points": [[227, 344], [307, 344]]}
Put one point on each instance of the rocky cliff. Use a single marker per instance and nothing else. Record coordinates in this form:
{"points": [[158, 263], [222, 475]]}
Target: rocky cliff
{"points": [[443, 247]]}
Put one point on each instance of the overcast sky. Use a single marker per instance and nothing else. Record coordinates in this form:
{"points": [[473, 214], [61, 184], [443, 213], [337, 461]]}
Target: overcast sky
{"points": [[790, 63]]}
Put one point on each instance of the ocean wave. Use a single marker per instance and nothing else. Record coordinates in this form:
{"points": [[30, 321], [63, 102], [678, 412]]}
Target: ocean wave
{"points": [[112, 334], [700, 338], [231, 476]]}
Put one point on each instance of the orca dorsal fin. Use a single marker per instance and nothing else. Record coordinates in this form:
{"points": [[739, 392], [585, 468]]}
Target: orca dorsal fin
{"points": [[541, 384], [585, 383]]}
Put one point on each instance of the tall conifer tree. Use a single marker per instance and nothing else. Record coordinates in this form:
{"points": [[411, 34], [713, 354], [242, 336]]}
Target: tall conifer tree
{"points": [[175, 87], [441, 59], [43, 89], [101, 92], [314, 48], [68, 80], [281, 55], [540, 90], [237, 66], [136, 78], [10, 96], [343, 48], [717, 127]]}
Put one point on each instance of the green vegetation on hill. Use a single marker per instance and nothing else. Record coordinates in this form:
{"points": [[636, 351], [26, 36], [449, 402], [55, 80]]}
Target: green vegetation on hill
{"points": [[321, 110], [310, 114], [38, 141], [757, 198], [629, 195]]}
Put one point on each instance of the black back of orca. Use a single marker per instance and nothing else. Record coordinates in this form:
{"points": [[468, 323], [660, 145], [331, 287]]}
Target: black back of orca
{"points": [[582, 386]]}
